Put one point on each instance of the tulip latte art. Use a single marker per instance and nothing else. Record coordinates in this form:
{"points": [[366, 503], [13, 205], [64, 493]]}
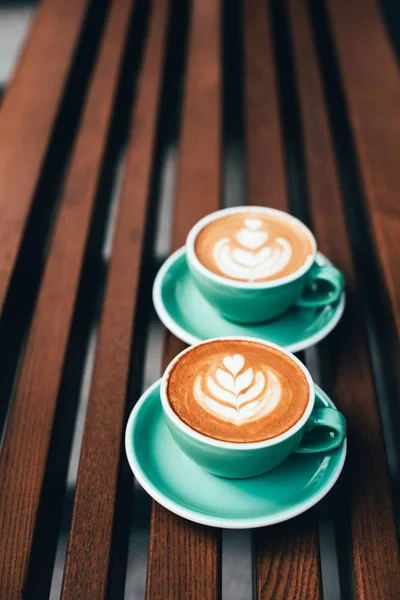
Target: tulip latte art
{"points": [[253, 247], [237, 390], [237, 393]]}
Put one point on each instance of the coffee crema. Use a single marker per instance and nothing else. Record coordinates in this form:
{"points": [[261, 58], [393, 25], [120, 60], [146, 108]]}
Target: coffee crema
{"points": [[237, 391], [253, 246]]}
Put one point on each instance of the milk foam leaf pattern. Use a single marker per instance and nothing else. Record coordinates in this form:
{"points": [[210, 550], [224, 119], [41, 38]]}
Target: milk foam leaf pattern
{"points": [[252, 253], [234, 363], [243, 381], [237, 394], [251, 239], [257, 388], [225, 379], [251, 259], [253, 223]]}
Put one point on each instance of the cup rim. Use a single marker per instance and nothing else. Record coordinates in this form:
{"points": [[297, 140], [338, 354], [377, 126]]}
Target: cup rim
{"points": [[219, 214], [236, 445]]}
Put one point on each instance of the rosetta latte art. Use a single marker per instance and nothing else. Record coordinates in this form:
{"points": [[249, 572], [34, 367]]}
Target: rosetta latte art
{"points": [[236, 393], [251, 254]]}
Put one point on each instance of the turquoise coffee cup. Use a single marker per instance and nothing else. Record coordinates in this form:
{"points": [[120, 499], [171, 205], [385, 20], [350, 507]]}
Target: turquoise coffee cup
{"points": [[325, 428], [310, 286]]}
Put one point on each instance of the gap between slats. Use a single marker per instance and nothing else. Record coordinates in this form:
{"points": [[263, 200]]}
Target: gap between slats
{"points": [[33, 409], [26, 277], [344, 355], [236, 546], [28, 113], [163, 191], [300, 178], [100, 245], [372, 212], [184, 557], [98, 254], [287, 555], [96, 499]]}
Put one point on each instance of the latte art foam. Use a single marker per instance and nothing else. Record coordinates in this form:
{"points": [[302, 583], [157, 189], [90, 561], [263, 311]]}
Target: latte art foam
{"points": [[237, 390], [252, 247], [236, 393]]}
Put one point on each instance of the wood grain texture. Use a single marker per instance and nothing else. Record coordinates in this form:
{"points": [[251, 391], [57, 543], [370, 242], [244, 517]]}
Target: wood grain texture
{"points": [[265, 173], [184, 558], [186, 555], [375, 552], [286, 558], [89, 544], [26, 442], [27, 116], [372, 86], [199, 168]]}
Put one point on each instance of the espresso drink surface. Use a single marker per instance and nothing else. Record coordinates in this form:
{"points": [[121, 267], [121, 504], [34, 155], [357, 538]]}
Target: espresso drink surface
{"points": [[252, 246], [237, 391]]}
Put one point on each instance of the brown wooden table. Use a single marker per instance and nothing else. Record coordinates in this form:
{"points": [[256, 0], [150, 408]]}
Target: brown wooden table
{"points": [[291, 104]]}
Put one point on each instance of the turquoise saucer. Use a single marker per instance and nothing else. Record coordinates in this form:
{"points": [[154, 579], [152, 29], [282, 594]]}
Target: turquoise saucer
{"points": [[185, 312], [177, 483]]}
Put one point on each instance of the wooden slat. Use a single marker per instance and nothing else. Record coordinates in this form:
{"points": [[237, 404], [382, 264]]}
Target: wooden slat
{"points": [[184, 557], [286, 560], [27, 437], [372, 87], [89, 544], [286, 557], [199, 169], [27, 115], [373, 540], [266, 181]]}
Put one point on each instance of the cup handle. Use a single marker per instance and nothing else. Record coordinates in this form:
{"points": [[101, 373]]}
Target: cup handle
{"points": [[325, 286], [325, 430]]}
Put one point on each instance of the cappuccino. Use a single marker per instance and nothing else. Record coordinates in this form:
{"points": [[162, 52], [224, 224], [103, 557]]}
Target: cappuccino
{"points": [[237, 390], [253, 247]]}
